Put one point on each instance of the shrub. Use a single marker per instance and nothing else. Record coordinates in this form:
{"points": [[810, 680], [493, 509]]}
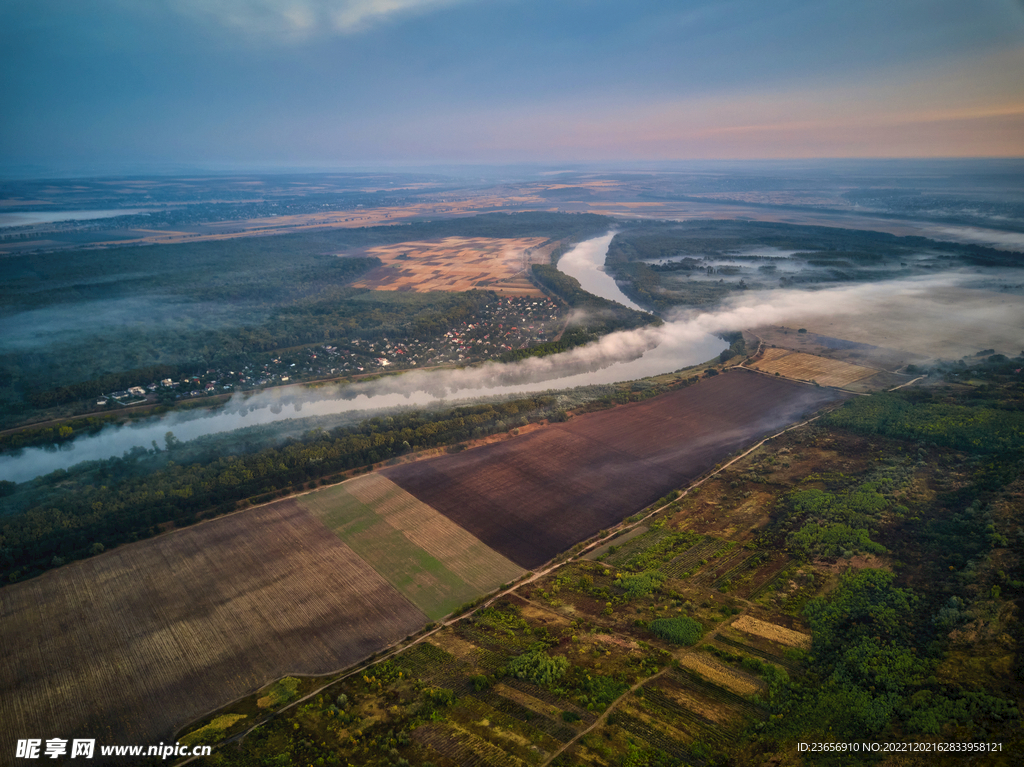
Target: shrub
{"points": [[681, 631], [640, 584], [538, 667]]}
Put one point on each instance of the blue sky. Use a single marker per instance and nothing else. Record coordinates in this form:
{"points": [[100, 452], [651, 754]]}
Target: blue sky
{"points": [[334, 83]]}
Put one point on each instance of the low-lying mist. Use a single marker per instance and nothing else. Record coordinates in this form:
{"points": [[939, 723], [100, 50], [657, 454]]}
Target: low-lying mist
{"points": [[687, 338]]}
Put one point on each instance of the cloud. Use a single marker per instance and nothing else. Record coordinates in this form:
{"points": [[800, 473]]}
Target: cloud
{"points": [[292, 20]]}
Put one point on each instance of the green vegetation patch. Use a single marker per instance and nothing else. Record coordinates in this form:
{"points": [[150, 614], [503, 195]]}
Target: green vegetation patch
{"points": [[831, 541], [682, 630], [538, 667], [977, 426], [279, 693], [421, 577], [213, 731], [639, 585]]}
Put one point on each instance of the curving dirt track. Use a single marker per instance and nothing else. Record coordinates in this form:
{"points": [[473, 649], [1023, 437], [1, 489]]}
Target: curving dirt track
{"points": [[535, 496]]}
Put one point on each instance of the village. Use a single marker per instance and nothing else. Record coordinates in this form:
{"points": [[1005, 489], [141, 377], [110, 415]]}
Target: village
{"points": [[507, 325]]}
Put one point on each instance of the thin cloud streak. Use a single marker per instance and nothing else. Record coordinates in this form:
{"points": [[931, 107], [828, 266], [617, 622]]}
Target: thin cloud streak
{"points": [[296, 20]]}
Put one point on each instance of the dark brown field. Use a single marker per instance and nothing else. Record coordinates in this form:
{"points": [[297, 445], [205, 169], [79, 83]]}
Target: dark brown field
{"points": [[533, 497], [130, 645]]}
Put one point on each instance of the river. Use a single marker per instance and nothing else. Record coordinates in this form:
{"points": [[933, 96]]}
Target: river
{"points": [[623, 356]]}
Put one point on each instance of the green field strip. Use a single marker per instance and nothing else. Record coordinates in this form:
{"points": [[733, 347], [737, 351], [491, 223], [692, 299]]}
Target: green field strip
{"points": [[686, 678], [706, 548], [559, 731], [673, 713], [423, 579], [429, 581], [653, 737], [462, 552]]}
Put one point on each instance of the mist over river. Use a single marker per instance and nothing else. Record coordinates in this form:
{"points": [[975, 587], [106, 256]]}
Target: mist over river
{"points": [[622, 356]]}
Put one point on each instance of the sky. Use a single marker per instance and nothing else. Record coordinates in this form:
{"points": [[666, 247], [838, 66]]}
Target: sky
{"points": [[345, 83]]}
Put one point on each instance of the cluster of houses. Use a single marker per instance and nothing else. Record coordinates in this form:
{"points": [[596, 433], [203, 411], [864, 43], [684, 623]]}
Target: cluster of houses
{"points": [[510, 323]]}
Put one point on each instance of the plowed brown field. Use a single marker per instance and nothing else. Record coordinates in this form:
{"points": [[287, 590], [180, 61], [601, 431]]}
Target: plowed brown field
{"points": [[533, 497], [129, 645]]}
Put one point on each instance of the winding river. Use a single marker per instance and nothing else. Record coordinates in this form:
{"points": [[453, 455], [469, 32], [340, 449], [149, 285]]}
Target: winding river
{"points": [[622, 356]]}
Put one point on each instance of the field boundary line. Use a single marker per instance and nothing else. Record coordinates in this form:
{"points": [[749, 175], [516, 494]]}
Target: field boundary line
{"points": [[530, 577]]}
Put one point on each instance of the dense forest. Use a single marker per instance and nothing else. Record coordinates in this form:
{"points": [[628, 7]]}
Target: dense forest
{"points": [[83, 322], [665, 264]]}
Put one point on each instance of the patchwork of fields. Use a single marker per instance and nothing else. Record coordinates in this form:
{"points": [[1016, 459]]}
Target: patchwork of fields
{"points": [[436, 564], [236, 603], [533, 497], [317, 582], [129, 645]]}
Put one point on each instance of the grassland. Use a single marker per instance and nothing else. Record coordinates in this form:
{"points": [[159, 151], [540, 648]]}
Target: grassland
{"points": [[435, 563], [128, 645]]}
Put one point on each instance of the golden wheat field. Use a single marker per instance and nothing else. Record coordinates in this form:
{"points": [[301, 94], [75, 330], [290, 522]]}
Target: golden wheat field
{"points": [[773, 632], [808, 367], [457, 263]]}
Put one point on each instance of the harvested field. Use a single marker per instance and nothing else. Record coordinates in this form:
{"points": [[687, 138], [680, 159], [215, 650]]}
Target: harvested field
{"points": [[535, 496], [457, 263], [719, 673], [773, 632], [808, 367], [190, 620], [434, 562]]}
